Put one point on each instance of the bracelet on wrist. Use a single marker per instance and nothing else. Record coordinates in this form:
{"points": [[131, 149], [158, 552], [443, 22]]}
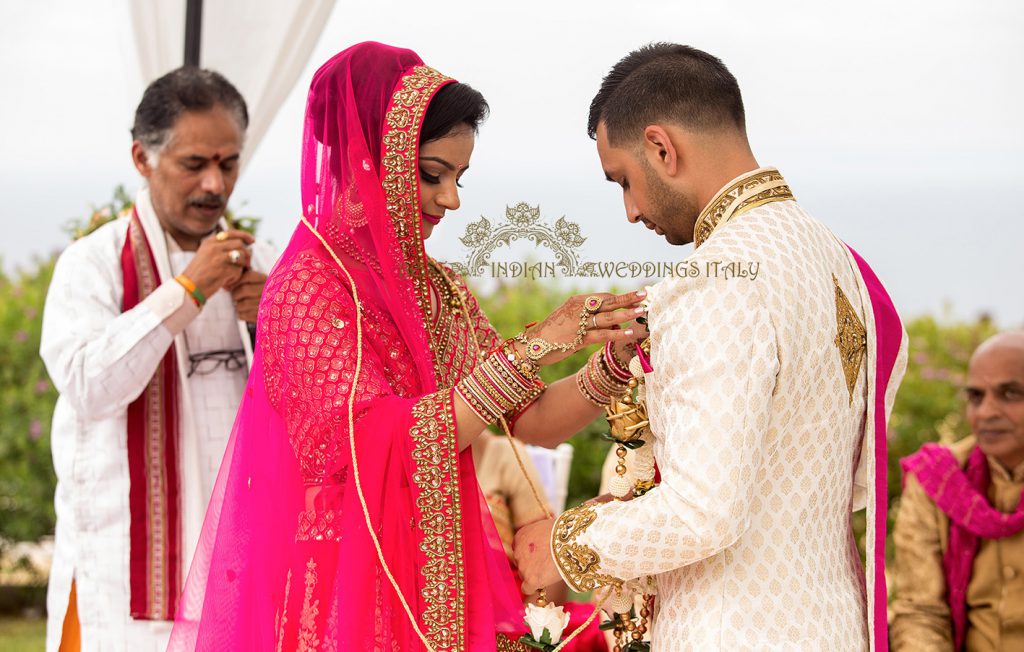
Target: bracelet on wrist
{"points": [[497, 388], [194, 292], [525, 366], [617, 368], [598, 383]]}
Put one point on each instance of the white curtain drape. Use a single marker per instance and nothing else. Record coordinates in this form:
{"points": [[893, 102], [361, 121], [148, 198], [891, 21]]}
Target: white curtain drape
{"points": [[261, 46]]}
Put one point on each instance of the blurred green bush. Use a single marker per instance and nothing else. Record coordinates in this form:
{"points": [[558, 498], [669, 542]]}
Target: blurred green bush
{"points": [[27, 398]]}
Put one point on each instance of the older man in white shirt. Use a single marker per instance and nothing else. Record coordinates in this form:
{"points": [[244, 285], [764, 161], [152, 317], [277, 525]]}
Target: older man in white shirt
{"points": [[145, 337]]}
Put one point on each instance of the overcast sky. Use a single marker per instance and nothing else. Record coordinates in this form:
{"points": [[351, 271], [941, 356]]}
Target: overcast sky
{"points": [[898, 124]]}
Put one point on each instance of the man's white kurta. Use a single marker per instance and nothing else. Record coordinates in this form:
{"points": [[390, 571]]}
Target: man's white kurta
{"points": [[100, 360], [757, 438]]}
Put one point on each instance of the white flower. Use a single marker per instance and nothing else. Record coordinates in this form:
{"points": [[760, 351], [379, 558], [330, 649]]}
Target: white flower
{"points": [[550, 617]]}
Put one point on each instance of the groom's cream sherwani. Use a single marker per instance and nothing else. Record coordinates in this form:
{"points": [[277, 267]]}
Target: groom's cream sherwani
{"points": [[758, 423]]}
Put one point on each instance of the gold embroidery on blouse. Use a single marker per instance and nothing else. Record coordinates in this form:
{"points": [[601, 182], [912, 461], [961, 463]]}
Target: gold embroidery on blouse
{"points": [[755, 189], [446, 328], [457, 337], [282, 616], [580, 564], [435, 454], [506, 644], [851, 338], [319, 526], [400, 153], [308, 641]]}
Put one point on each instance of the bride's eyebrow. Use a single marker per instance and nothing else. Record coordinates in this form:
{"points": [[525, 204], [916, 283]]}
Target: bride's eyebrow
{"points": [[443, 162]]}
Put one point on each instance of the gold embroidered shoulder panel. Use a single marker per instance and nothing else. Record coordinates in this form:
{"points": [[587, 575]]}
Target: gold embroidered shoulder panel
{"points": [[760, 187], [851, 338], [579, 564]]}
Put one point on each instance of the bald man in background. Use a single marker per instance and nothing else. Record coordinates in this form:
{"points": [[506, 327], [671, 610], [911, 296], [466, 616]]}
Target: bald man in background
{"points": [[960, 531]]}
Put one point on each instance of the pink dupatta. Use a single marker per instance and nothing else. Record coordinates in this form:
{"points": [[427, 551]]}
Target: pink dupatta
{"points": [[888, 338], [285, 560]]}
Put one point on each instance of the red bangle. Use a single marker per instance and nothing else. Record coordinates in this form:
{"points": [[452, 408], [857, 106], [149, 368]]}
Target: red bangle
{"points": [[614, 366]]}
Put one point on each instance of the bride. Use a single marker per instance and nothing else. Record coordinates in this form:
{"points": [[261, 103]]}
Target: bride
{"points": [[347, 514]]}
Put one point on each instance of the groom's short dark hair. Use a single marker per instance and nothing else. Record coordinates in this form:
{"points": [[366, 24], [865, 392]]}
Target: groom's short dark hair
{"points": [[666, 82]]}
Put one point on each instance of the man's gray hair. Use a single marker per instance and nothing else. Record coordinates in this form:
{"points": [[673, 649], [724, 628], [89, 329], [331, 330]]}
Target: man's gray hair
{"points": [[185, 89]]}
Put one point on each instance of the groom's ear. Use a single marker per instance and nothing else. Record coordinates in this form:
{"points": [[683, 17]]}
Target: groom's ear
{"points": [[660, 150]]}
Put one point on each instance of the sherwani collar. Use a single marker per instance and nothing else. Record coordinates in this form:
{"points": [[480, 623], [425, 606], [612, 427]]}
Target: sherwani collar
{"points": [[748, 190], [996, 468]]}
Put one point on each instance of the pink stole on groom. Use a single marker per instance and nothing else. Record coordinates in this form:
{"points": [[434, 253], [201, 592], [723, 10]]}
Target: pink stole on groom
{"points": [[888, 337]]}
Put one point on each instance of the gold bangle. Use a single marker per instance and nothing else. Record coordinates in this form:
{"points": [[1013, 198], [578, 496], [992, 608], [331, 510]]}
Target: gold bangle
{"points": [[592, 396], [528, 368], [496, 388]]}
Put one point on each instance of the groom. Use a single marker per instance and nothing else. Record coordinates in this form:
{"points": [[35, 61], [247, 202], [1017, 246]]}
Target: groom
{"points": [[769, 395]]}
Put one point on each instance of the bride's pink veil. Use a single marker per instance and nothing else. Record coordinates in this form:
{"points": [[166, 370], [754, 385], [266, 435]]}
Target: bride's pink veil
{"points": [[252, 579]]}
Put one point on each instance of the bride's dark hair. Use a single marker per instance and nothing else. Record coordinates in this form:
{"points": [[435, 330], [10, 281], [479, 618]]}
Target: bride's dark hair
{"points": [[453, 105]]}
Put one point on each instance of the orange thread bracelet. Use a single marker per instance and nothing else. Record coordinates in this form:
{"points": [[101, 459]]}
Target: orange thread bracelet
{"points": [[197, 295]]}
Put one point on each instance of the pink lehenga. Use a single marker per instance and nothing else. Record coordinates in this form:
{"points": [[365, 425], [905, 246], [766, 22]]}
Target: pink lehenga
{"points": [[286, 560]]}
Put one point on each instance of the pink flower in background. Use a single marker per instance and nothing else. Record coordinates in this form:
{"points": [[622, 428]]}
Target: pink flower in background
{"points": [[35, 429], [42, 386], [20, 336], [31, 313]]}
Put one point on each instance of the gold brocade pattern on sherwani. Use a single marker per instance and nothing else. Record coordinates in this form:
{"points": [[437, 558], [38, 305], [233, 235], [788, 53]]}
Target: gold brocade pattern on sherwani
{"points": [[580, 565], [435, 456], [755, 189], [401, 178], [851, 338]]}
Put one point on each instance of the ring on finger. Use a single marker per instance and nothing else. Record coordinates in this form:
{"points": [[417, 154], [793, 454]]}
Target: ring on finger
{"points": [[234, 256], [594, 317], [593, 303]]}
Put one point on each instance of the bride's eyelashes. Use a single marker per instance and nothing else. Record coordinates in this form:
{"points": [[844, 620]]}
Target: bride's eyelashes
{"points": [[429, 178], [434, 180]]}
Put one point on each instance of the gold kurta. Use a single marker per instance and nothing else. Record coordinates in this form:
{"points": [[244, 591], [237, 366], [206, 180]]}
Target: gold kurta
{"points": [[506, 489], [995, 595]]}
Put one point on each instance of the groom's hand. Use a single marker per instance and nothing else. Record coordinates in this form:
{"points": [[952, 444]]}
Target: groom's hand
{"points": [[532, 549]]}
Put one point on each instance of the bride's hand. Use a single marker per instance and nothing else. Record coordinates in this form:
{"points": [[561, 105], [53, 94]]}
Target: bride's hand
{"points": [[557, 337]]}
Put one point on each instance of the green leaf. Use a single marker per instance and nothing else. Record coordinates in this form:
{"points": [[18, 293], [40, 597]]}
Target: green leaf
{"points": [[545, 637], [529, 640]]}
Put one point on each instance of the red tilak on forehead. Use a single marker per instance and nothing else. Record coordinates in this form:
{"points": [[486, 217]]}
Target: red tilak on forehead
{"points": [[215, 157]]}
